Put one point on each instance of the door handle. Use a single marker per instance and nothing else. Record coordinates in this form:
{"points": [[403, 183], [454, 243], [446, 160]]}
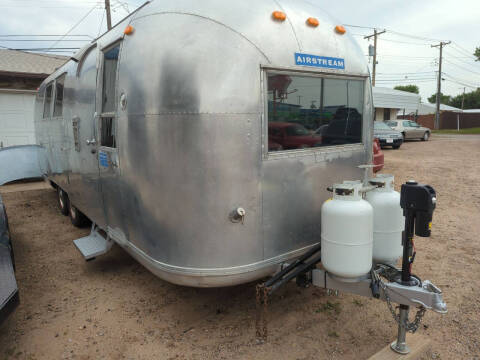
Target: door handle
{"points": [[91, 142]]}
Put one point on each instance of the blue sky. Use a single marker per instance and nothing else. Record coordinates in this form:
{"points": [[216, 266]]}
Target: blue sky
{"points": [[401, 59]]}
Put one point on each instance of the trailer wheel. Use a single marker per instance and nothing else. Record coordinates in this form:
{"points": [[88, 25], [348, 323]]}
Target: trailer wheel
{"points": [[77, 218], [62, 201], [426, 136]]}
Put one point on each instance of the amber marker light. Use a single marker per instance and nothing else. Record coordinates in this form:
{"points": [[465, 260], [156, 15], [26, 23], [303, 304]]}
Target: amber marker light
{"points": [[312, 22], [128, 30], [279, 15], [340, 29]]}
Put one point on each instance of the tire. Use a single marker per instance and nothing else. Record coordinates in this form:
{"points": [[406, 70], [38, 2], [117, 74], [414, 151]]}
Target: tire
{"points": [[62, 198], [77, 218], [403, 135], [426, 136]]}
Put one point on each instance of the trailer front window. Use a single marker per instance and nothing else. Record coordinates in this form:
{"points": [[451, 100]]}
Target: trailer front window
{"points": [[309, 112]]}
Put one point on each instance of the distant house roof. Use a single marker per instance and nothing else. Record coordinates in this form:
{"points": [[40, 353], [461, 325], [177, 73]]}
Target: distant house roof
{"points": [[395, 99], [425, 109], [23, 63], [472, 111]]}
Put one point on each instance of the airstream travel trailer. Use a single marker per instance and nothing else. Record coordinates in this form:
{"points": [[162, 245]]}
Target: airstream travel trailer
{"points": [[164, 132]]}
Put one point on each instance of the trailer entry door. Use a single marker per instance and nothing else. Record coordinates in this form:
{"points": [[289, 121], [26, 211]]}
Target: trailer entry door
{"points": [[108, 159]]}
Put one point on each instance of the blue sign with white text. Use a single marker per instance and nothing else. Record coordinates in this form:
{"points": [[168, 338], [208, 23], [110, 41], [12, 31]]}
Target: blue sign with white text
{"points": [[319, 61], [103, 158]]}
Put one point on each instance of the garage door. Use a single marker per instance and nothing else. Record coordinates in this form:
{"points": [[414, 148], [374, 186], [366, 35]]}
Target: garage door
{"points": [[16, 119]]}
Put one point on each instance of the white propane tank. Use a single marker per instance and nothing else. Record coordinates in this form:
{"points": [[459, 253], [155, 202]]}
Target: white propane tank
{"points": [[388, 220], [347, 232]]}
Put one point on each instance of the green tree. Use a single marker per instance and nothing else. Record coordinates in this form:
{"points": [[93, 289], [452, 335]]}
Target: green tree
{"points": [[408, 88], [477, 53], [472, 100], [444, 99]]}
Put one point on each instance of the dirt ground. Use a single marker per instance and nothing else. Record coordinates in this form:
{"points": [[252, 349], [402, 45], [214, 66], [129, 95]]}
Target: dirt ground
{"points": [[113, 308]]}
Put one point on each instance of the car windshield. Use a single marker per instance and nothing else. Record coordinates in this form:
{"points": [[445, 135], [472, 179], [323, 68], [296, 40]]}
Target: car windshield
{"points": [[381, 126]]}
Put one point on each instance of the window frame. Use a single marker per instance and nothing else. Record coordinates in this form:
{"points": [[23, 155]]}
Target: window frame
{"points": [[50, 112], [64, 74], [100, 94], [84, 56], [266, 70]]}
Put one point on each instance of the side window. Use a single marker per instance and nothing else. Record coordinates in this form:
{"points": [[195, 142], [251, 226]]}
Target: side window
{"points": [[406, 123], [109, 86], [314, 111], [59, 88], [48, 101]]}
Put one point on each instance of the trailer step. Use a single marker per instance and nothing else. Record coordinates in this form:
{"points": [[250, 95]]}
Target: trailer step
{"points": [[94, 244]]}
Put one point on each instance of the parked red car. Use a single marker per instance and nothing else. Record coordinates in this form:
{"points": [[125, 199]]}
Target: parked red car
{"points": [[378, 159], [292, 136]]}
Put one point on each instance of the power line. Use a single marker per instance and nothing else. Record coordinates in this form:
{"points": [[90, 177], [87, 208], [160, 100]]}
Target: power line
{"points": [[463, 68], [406, 56], [44, 49], [461, 81], [101, 23], [406, 73], [455, 44], [74, 26], [40, 40], [15, 35], [42, 55]]}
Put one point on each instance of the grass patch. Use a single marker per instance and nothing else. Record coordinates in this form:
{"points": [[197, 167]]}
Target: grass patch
{"points": [[357, 302], [471, 131], [333, 334], [329, 307]]}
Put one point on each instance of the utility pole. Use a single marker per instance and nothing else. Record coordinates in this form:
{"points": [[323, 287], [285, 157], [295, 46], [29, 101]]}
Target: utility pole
{"points": [[439, 82], [463, 98], [375, 34], [109, 15]]}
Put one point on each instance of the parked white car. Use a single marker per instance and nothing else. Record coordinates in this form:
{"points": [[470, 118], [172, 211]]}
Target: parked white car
{"points": [[410, 129]]}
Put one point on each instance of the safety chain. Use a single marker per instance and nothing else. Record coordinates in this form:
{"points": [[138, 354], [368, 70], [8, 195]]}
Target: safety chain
{"points": [[261, 316], [409, 326]]}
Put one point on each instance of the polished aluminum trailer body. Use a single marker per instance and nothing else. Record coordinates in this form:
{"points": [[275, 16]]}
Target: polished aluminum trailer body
{"points": [[191, 137]]}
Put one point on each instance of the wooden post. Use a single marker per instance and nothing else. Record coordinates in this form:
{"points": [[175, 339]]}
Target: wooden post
{"points": [[418, 345]]}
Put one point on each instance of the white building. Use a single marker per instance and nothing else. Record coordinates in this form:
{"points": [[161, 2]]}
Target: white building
{"points": [[20, 75], [427, 108], [388, 102]]}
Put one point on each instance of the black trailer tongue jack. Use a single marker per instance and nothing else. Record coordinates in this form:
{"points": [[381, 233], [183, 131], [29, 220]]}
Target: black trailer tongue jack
{"points": [[384, 282], [418, 202]]}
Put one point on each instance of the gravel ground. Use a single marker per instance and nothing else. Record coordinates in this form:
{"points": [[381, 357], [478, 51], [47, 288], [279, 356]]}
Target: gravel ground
{"points": [[113, 308]]}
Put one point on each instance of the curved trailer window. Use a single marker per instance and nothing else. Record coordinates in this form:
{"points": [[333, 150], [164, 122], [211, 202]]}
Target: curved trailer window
{"points": [[48, 101], [309, 112], [59, 89]]}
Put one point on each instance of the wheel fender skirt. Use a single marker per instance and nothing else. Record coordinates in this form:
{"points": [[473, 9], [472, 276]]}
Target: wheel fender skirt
{"points": [[9, 298], [22, 162]]}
